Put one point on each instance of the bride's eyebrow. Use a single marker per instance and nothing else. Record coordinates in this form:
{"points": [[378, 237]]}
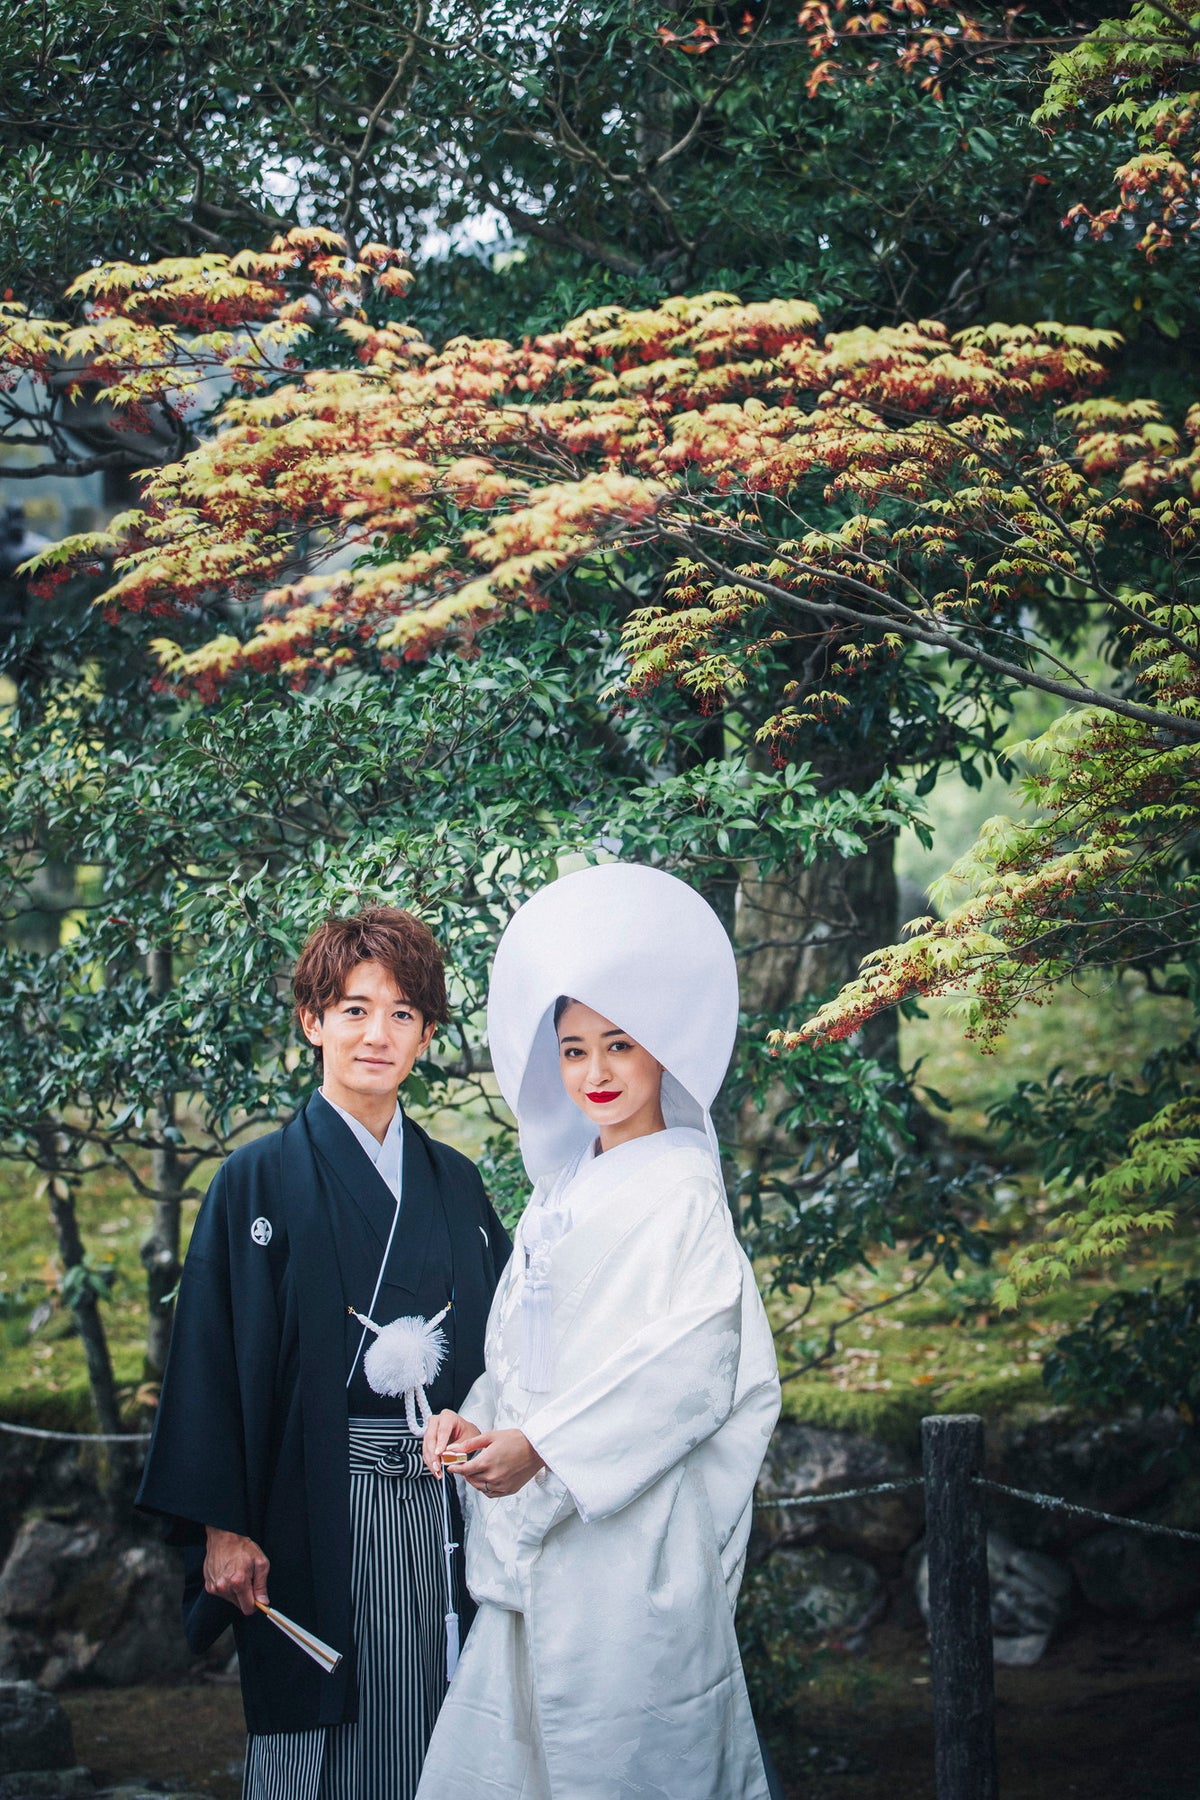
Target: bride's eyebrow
{"points": [[570, 1039]]}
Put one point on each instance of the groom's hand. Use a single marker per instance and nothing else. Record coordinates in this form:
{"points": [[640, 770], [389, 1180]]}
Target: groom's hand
{"points": [[235, 1569], [501, 1462], [444, 1429]]}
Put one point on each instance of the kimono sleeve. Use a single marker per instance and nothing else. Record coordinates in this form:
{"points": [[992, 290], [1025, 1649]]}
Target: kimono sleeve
{"points": [[196, 1471], [669, 1385]]}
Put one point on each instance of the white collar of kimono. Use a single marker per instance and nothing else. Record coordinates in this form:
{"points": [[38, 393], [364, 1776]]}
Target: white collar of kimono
{"points": [[642, 949], [388, 1157], [593, 1172]]}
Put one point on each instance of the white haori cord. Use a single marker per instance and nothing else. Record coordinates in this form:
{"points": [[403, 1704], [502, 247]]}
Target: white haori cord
{"points": [[541, 1228], [366, 1323], [537, 1342], [403, 1360]]}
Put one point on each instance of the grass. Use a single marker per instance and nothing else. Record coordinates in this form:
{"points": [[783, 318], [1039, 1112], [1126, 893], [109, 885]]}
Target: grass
{"points": [[43, 1377], [1102, 1024]]}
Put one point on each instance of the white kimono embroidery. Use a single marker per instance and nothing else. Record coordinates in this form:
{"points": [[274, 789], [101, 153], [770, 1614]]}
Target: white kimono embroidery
{"points": [[603, 1663]]}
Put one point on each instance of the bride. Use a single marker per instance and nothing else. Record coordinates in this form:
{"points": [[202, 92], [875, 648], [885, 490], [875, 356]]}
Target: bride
{"points": [[630, 1388]]}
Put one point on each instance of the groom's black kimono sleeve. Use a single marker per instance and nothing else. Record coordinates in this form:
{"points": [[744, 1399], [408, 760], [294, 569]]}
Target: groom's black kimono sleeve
{"points": [[251, 1432]]}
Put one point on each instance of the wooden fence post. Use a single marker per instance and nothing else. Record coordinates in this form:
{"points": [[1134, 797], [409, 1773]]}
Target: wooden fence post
{"points": [[960, 1625]]}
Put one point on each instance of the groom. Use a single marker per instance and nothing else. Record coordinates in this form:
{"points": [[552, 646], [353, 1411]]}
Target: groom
{"points": [[289, 1479]]}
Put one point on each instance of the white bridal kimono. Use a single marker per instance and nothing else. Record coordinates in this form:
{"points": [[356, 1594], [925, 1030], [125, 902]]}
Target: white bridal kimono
{"points": [[603, 1663]]}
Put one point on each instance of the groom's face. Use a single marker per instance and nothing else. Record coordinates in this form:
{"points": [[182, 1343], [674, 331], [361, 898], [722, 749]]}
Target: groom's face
{"points": [[370, 1038]]}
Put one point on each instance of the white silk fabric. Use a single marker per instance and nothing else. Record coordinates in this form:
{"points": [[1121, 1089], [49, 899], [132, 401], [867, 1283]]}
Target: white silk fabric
{"points": [[602, 1664]]}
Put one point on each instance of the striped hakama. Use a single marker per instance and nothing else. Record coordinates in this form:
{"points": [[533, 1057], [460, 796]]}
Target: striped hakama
{"points": [[398, 1598]]}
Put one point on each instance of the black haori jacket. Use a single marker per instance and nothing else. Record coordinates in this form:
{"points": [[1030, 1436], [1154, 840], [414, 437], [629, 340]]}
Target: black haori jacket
{"points": [[251, 1432]]}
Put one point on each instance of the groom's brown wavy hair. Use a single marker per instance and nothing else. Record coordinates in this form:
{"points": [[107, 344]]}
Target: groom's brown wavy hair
{"points": [[388, 935]]}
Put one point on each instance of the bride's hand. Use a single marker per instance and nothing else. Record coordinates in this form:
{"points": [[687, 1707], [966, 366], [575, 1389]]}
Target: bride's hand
{"points": [[443, 1429], [501, 1462]]}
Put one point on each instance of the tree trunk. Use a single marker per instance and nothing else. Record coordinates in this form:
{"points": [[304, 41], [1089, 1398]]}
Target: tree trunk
{"points": [[804, 933], [85, 1304], [160, 1250], [49, 893], [721, 893], [801, 935]]}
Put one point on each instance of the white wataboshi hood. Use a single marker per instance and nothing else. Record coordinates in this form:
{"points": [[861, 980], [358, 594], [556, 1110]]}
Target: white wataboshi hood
{"points": [[639, 947]]}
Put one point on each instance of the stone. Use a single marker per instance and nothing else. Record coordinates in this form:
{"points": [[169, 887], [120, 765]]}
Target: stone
{"points": [[41, 1562], [78, 1603], [1020, 1652], [1031, 1592], [147, 1636], [131, 1791], [1133, 1575], [1116, 1465], [1030, 1599], [40, 1475], [826, 1593], [806, 1459], [35, 1732], [48, 1784]]}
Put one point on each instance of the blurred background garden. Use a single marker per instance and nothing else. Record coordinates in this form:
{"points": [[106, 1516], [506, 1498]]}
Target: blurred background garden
{"points": [[444, 445]]}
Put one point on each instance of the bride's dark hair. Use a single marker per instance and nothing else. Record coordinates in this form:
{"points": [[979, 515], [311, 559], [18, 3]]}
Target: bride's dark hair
{"points": [[560, 1007]]}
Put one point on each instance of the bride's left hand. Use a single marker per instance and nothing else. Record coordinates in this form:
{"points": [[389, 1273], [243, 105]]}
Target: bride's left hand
{"points": [[501, 1462]]}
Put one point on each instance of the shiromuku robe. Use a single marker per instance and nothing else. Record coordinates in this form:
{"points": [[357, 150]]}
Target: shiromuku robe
{"points": [[603, 1663], [252, 1433]]}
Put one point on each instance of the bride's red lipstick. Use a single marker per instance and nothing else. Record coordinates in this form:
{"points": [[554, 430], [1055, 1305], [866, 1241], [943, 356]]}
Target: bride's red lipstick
{"points": [[602, 1098]]}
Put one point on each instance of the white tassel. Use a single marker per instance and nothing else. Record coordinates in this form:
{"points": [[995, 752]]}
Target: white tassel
{"points": [[404, 1359], [405, 1356], [537, 1340], [448, 1548], [540, 1231]]}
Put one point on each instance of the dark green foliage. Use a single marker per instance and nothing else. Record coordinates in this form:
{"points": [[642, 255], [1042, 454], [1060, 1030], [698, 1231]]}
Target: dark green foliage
{"points": [[843, 1176], [504, 1177], [776, 1644], [1076, 1128], [521, 153], [540, 160], [1139, 1348]]}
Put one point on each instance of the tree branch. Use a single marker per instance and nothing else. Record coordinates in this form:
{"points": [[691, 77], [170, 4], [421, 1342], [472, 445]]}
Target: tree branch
{"points": [[909, 625]]}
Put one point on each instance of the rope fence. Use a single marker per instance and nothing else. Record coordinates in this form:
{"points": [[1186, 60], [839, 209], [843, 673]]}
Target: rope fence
{"points": [[864, 1493], [1088, 1512], [77, 1437], [961, 1668], [790, 1502]]}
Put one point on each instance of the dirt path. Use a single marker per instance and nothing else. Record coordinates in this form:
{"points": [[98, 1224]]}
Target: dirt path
{"points": [[1111, 1713], [184, 1737]]}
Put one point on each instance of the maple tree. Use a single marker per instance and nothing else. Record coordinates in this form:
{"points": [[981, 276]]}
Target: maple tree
{"points": [[1139, 72], [975, 474], [867, 497], [193, 822]]}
